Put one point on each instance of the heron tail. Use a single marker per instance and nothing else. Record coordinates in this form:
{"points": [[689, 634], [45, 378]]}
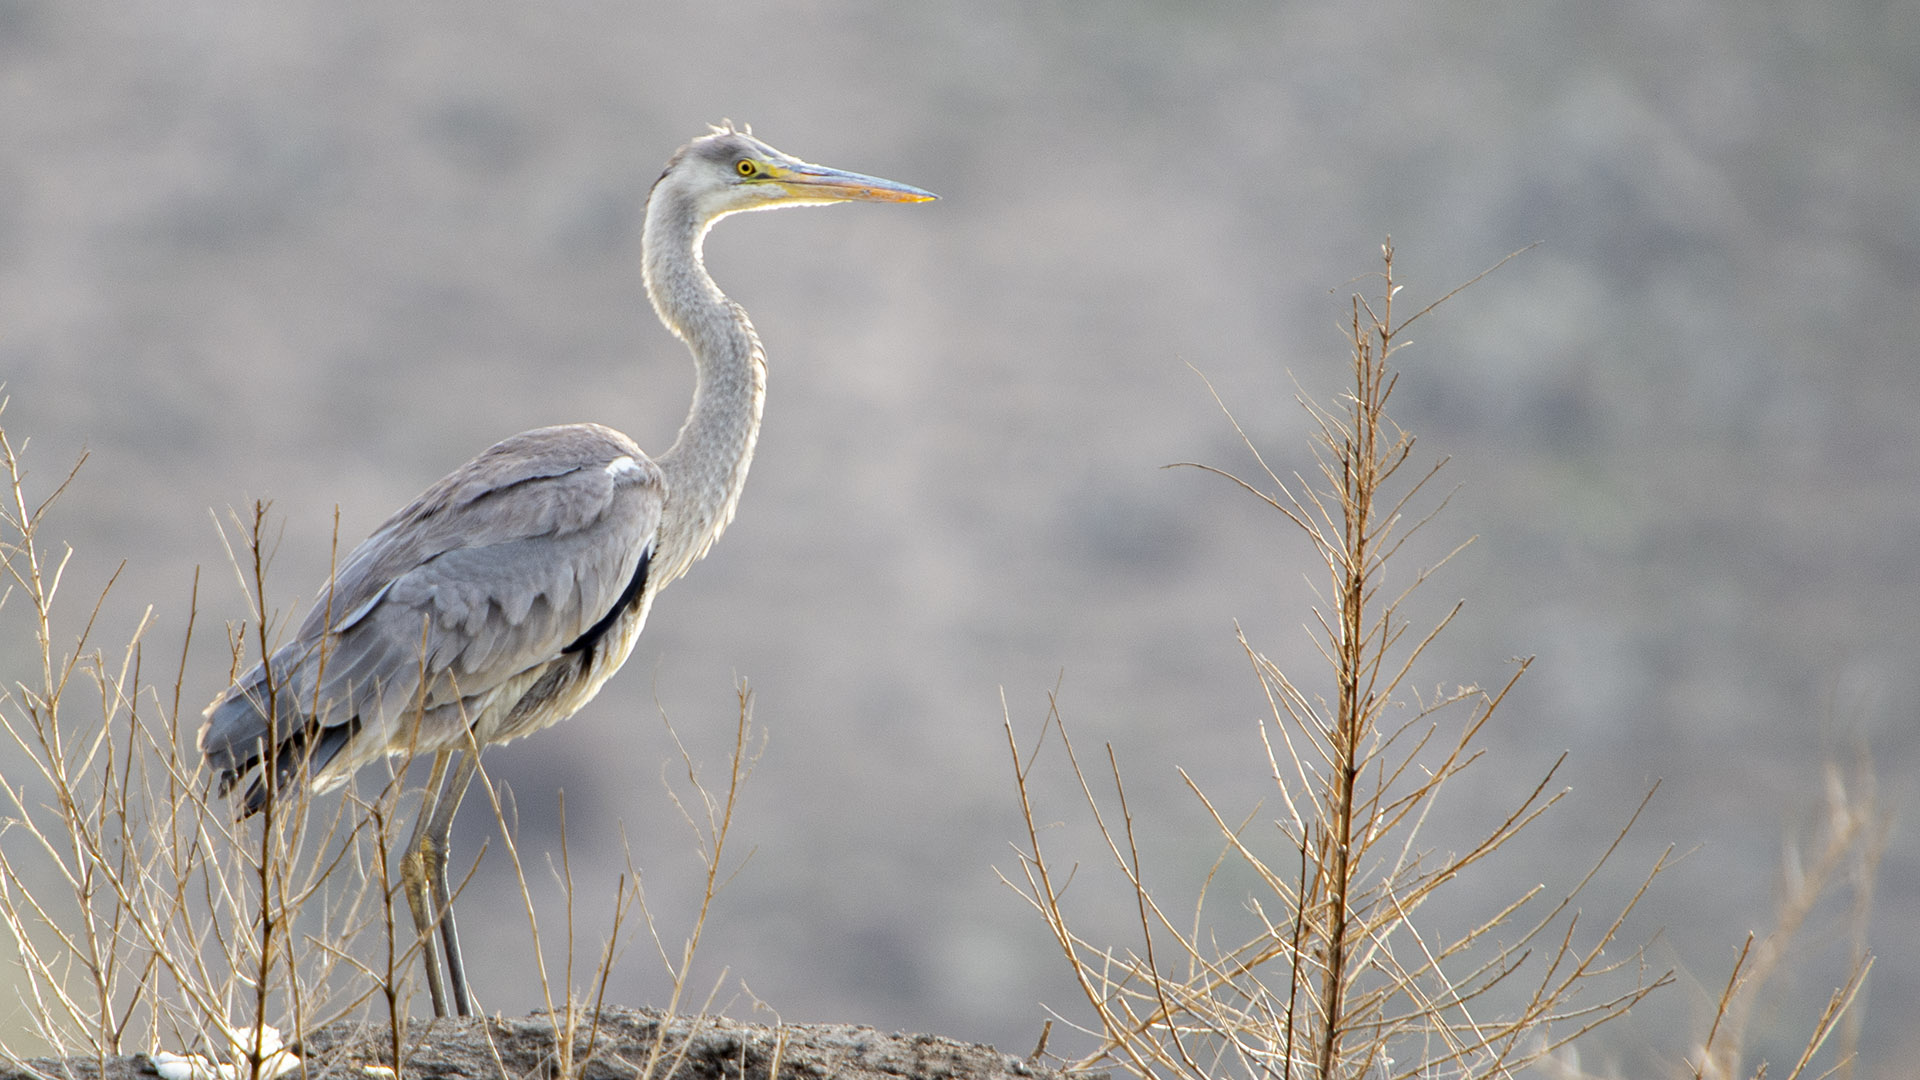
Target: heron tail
{"points": [[263, 724]]}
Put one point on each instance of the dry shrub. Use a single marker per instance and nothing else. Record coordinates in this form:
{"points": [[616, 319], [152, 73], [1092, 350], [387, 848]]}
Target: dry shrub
{"points": [[144, 914], [1341, 975]]}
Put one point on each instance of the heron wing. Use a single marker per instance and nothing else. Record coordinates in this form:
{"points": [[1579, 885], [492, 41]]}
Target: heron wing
{"points": [[489, 574]]}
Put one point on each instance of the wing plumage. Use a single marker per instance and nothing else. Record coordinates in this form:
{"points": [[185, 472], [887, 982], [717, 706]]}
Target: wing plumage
{"points": [[454, 612]]}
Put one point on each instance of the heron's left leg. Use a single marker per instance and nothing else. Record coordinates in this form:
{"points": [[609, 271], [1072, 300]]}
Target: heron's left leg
{"points": [[435, 847], [424, 877], [416, 880]]}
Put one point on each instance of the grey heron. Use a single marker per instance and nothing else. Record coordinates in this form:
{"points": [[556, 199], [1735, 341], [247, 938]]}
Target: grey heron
{"points": [[499, 601]]}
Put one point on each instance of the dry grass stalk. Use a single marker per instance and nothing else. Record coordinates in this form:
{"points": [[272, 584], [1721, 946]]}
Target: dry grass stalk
{"points": [[143, 914], [1341, 979], [1850, 837], [709, 817]]}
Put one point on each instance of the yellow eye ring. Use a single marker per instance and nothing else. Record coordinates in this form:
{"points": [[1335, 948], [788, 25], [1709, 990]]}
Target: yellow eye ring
{"points": [[745, 167]]}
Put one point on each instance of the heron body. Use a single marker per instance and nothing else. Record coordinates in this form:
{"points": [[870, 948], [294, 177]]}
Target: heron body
{"points": [[494, 604], [499, 601]]}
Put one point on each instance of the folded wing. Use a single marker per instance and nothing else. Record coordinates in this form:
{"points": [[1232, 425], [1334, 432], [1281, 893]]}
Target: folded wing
{"points": [[451, 610]]}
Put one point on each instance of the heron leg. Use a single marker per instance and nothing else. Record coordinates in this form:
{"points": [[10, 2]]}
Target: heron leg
{"points": [[423, 875], [415, 880], [438, 836]]}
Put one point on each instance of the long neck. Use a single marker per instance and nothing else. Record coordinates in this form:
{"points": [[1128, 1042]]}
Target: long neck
{"points": [[706, 467]]}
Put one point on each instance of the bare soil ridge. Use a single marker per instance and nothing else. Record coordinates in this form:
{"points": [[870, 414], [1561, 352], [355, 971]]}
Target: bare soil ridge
{"points": [[715, 1047]]}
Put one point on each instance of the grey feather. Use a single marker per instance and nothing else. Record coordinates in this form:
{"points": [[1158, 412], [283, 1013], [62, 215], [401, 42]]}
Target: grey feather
{"points": [[473, 589]]}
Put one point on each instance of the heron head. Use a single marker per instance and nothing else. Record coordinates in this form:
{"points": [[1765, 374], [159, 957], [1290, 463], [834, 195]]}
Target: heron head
{"points": [[729, 171]]}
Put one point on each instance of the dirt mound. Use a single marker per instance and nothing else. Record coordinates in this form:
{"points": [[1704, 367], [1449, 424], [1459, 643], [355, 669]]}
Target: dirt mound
{"points": [[710, 1048]]}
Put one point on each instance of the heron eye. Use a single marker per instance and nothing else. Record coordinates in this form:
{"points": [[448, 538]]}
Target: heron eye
{"points": [[746, 167]]}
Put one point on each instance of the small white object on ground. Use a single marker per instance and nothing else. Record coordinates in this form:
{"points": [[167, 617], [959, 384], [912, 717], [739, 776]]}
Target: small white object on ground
{"points": [[276, 1060]]}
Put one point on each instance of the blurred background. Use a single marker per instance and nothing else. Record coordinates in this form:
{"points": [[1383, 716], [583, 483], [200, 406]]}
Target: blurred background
{"points": [[321, 253]]}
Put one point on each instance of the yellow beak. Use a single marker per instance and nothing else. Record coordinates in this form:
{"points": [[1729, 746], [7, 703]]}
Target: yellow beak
{"points": [[811, 182]]}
